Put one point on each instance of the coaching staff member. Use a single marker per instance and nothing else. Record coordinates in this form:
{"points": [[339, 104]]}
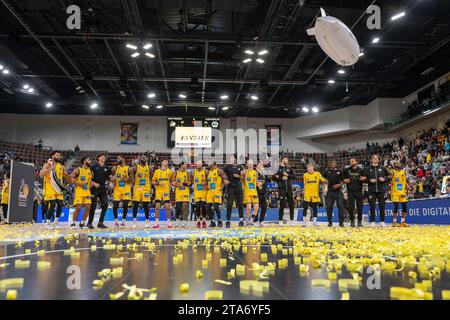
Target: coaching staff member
{"points": [[101, 174], [334, 178], [233, 189], [353, 179], [284, 177], [376, 177]]}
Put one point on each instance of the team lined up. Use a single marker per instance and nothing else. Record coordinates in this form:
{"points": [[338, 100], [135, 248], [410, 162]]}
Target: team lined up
{"points": [[242, 186]]}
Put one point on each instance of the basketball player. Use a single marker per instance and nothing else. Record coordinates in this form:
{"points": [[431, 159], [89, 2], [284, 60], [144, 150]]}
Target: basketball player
{"points": [[334, 179], [198, 179], [214, 194], [311, 197], [250, 192], [82, 178], [161, 180], [398, 193], [54, 174], [140, 174], [376, 176], [5, 196], [232, 179], [182, 194], [121, 180]]}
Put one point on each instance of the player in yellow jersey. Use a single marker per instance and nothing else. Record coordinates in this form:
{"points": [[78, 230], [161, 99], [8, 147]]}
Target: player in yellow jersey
{"points": [[54, 175], [141, 175], [398, 193], [121, 182], [214, 194], [311, 180], [5, 195], [200, 183], [181, 183], [162, 179], [82, 178], [250, 192]]}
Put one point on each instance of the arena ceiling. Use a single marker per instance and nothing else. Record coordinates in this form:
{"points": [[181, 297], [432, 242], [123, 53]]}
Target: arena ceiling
{"points": [[199, 47]]}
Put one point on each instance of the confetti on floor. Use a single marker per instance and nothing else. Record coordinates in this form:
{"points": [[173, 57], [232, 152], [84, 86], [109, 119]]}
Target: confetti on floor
{"points": [[253, 263]]}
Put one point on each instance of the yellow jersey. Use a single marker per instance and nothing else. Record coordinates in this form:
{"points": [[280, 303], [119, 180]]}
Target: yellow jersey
{"points": [[250, 182], [84, 177], [214, 180], [142, 177], [199, 181], [122, 177], [48, 189], [311, 183], [182, 192], [398, 183], [163, 178], [5, 193]]}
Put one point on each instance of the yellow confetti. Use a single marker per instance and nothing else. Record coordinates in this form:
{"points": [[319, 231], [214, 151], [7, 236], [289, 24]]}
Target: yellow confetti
{"points": [[214, 295], [11, 295], [184, 287]]}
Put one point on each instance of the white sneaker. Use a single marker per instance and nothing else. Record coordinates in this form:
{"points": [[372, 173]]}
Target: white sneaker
{"points": [[373, 224], [56, 225], [134, 226], [262, 224], [382, 224], [315, 223], [49, 226], [304, 224], [292, 223], [147, 225]]}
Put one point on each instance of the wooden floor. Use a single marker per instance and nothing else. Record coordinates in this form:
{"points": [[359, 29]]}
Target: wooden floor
{"points": [[139, 264]]}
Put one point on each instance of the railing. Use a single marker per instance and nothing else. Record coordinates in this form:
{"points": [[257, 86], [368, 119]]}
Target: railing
{"points": [[416, 111]]}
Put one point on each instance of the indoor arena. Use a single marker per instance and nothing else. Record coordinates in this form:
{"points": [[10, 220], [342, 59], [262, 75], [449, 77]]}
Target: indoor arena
{"points": [[225, 150]]}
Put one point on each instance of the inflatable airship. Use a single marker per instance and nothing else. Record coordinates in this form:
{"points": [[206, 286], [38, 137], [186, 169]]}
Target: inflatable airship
{"points": [[336, 39]]}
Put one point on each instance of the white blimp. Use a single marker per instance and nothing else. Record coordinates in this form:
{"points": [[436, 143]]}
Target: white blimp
{"points": [[336, 39]]}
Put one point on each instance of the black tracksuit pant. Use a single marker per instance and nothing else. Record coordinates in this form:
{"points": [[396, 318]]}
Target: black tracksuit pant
{"points": [[103, 197], [373, 198], [286, 197], [262, 207], [355, 197], [331, 198], [235, 194]]}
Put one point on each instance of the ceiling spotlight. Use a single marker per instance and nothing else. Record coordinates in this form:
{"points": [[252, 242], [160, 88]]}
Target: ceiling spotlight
{"points": [[135, 55], [212, 108], [30, 90], [26, 87], [49, 105], [315, 109], [247, 60], [150, 55], [145, 106], [254, 97], [1, 67], [305, 109], [398, 16], [151, 95], [260, 60], [341, 71], [182, 96], [225, 108], [361, 54], [376, 40], [249, 52], [224, 97], [331, 81], [81, 91], [94, 106], [147, 46], [6, 71], [132, 46], [263, 52], [159, 107]]}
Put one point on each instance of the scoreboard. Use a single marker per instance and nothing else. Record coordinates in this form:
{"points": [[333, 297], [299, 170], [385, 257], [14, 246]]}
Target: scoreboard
{"points": [[192, 132]]}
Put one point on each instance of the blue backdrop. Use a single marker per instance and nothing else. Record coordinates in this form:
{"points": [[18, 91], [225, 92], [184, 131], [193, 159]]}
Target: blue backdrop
{"points": [[435, 211]]}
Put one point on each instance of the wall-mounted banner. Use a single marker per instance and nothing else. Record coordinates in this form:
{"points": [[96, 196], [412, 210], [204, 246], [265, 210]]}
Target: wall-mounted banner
{"points": [[129, 133], [274, 136]]}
